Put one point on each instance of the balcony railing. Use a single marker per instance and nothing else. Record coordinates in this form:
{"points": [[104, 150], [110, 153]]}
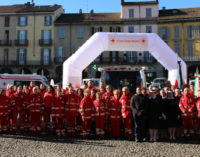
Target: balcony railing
{"points": [[191, 58], [24, 63], [45, 42], [126, 60], [59, 59], [20, 42], [5, 42]]}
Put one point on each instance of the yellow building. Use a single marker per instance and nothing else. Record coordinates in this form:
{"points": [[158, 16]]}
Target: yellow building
{"points": [[29, 32], [180, 28]]}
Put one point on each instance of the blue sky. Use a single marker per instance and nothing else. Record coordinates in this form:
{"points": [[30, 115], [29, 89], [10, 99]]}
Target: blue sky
{"points": [[73, 6]]}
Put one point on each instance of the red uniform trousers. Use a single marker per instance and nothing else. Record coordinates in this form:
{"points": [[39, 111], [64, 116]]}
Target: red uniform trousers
{"points": [[59, 125], [115, 127], [70, 122], [198, 125], [46, 114], [26, 119], [100, 125], [86, 127], [35, 121], [188, 122], [128, 126], [4, 123], [17, 113]]}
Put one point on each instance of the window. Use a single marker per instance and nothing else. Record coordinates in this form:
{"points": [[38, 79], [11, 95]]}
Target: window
{"points": [[198, 31], [190, 48], [148, 12], [61, 33], [46, 36], [177, 48], [148, 29], [59, 54], [21, 56], [47, 20], [7, 21], [190, 31], [22, 36], [176, 32], [22, 21], [131, 29], [164, 33], [6, 51], [46, 56], [148, 58], [113, 56], [131, 56], [131, 13], [80, 32]]}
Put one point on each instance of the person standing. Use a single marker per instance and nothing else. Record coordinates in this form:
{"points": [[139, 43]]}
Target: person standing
{"points": [[187, 107], [126, 112], [115, 114], [86, 111], [138, 109]]}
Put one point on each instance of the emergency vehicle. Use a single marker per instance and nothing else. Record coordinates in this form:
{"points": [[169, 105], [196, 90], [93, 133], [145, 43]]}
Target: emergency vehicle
{"points": [[21, 79], [120, 76]]}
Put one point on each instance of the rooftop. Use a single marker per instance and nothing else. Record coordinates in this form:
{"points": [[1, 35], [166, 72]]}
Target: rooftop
{"points": [[139, 3]]}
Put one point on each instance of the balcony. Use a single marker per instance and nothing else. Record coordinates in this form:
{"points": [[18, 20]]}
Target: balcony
{"points": [[5, 42], [27, 63], [58, 60], [191, 58], [20, 42], [45, 42], [126, 60]]}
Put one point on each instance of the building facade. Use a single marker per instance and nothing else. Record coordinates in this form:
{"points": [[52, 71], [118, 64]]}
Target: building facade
{"points": [[27, 44]]}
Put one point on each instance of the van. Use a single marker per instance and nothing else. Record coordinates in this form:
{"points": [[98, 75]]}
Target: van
{"points": [[21, 79], [96, 82]]}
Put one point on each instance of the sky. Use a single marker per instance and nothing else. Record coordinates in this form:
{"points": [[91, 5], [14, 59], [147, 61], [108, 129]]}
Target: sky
{"points": [[73, 6]]}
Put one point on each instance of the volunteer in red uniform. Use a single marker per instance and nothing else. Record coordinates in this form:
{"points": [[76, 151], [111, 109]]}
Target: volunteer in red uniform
{"points": [[126, 112], [93, 94], [191, 90], [99, 114], [26, 110], [71, 111], [31, 86], [187, 107], [115, 114], [42, 90], [90, 85], [4, 110], [18, 108], [86, 111], [58, 88], [48, 102], [35, 106], [9, 93], [79, 94], [67, 88], [58, 113]]}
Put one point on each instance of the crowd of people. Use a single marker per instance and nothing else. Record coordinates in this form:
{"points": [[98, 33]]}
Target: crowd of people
{"points": [[147, 115]]}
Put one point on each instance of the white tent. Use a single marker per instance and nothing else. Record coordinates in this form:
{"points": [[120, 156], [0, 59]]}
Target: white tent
{"points": [[100, 42]]}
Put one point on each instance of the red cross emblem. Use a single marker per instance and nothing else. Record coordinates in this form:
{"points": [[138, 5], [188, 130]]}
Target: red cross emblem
{"points": [[112, 40], [143, 41], [4, 83]]}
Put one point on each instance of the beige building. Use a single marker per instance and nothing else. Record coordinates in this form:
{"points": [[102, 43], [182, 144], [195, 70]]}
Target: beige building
{"points": [[73, 30], [27, 44]]}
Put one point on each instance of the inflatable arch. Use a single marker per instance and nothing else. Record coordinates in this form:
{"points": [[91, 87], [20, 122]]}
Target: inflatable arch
{"points": [[100, 42]]}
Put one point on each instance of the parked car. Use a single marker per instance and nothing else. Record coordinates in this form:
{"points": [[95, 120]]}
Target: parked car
{"points": [[159, 82]]}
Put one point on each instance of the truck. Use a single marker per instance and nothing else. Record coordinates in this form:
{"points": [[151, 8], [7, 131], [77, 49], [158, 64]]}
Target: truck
{"points": [[21, 79]]}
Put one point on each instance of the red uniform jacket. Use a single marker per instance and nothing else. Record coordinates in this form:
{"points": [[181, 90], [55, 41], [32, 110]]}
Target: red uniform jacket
{"points": [[36, 103], [99, 107], [4, 105], [18, 101], [48, 99], [115, 108], [86, 108], [26, 100], [107, 96], [57, 109], [187, 105], [125, 105], [71, 104], [198, 107]]}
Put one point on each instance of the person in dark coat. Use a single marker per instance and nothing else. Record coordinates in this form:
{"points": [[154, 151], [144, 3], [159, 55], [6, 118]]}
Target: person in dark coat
{"points": [[153, 115], [138, 110], [173, 115]]}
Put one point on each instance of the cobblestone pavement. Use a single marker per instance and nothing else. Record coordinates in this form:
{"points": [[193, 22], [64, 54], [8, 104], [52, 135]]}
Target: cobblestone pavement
{"points": [[18, 145]]}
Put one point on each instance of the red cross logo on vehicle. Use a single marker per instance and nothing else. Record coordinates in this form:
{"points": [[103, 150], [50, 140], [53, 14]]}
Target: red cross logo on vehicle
{"points": [[112, 40], [4, 83]]}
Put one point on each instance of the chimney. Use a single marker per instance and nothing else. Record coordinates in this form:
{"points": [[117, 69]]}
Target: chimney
{"points": [[157, 1], [163, 8], [28, 4], [92, 12], [122, 1], [80, 11]]}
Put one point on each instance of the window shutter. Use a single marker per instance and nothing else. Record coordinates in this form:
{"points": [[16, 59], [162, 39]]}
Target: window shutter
{"points": [[42, 34], [25, 55], [26, 20], [18, 22], [26, 34], [92, 30], [42, 56], [45, 20], [111, 30], [50, 56], [100, 29], [50, 20], [17, 56]]}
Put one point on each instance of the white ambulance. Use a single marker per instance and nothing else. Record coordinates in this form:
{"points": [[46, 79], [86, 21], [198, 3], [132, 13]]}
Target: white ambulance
{"points": [[21, 79]]}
